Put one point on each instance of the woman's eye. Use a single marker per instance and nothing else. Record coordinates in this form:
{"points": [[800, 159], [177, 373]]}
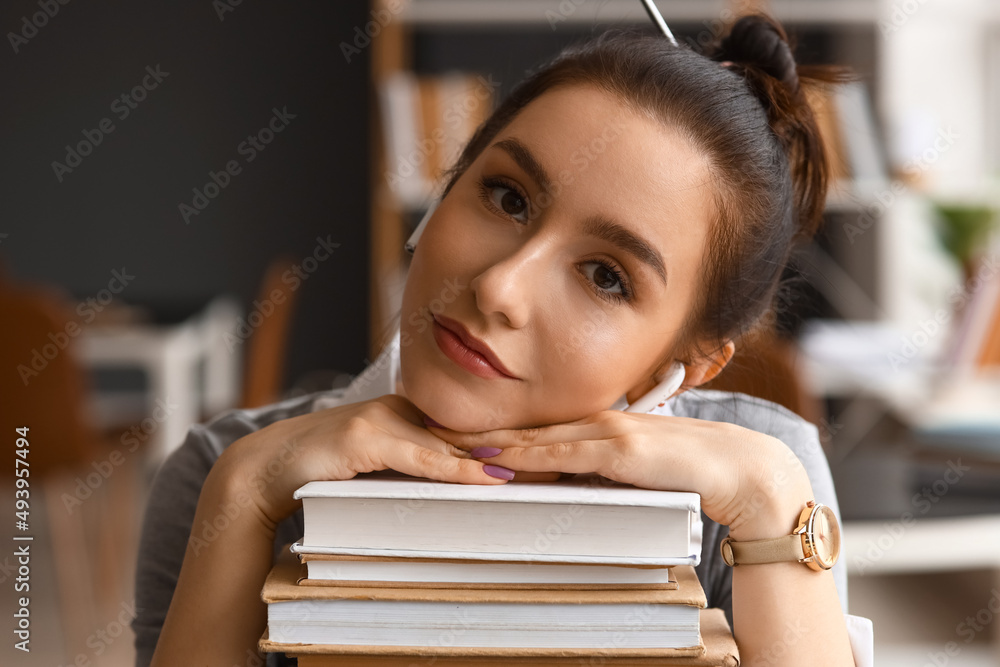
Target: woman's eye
{"points": [[605, 278], [509, 201]]}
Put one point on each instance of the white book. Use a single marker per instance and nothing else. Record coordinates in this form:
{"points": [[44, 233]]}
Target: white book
{"points": [[860, 133], [402, 124], [422, 623], [580, 521], [327, 569]]}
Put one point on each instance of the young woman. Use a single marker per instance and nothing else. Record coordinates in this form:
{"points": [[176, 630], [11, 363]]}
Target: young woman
{"points": [[628, 208]]}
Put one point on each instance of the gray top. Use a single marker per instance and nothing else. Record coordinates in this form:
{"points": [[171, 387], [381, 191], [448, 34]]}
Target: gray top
{"points": [[174, 495]]}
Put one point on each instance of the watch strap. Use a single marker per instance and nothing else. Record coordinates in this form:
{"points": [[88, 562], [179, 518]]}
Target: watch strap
{"points": [[774, 550]]}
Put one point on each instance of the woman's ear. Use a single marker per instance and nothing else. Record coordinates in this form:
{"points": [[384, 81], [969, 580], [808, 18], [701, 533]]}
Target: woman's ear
{"points": [[696, 372], [704, 368]]}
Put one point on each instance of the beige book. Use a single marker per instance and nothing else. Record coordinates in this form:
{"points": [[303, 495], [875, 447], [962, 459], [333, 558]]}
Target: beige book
{"points": [[989, 352], [432, 134]]}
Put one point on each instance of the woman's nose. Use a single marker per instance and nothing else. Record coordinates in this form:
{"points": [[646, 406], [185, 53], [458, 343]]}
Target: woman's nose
{"points": [[506, 289]]}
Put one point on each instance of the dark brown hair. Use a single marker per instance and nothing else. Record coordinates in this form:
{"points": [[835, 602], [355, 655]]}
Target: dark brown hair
{"points": [[742, 104]]}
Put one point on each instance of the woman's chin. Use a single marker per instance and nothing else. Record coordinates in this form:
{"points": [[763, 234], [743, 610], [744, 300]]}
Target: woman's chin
{"points": [[452, 404], [459, 413], [467, 420]]}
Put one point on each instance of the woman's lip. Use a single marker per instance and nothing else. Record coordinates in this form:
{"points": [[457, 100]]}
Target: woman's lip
{"points": [[466, 350]]}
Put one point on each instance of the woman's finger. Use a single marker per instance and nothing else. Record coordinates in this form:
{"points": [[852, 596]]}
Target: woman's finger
{"points": [[421, 436], [396, 416], [621, 459], [581, 456], [528, 437], [411, 459]]}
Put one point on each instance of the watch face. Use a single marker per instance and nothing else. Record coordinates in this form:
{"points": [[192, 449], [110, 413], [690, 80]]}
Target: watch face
{"points": [[826, 536]]}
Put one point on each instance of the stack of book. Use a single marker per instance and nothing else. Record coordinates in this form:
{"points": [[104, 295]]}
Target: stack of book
{"points": [[390, 569]]}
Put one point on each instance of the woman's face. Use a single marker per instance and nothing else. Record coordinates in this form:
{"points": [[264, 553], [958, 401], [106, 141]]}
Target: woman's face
{"points": [[570, 251]]}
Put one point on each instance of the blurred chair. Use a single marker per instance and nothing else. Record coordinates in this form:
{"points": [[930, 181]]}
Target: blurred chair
{"points": [[268, 346], [45, 389]]}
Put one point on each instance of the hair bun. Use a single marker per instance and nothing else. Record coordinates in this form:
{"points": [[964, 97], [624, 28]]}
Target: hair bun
{"points": [[757, 41], [758, 47]]}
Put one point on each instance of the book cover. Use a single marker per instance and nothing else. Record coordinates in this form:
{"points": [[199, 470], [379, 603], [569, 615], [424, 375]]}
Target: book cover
{"points": [[582, 520]]}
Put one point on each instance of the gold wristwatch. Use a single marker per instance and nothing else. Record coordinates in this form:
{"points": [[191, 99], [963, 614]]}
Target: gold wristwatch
{"points": [[815, 542]]}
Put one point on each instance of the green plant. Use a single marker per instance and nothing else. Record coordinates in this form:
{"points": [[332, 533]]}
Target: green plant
{"points": [[964, 228]]}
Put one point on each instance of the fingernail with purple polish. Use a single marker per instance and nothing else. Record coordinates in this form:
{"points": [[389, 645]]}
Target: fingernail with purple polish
{"points": [[485, 452], [431, 422], [499, 472]]}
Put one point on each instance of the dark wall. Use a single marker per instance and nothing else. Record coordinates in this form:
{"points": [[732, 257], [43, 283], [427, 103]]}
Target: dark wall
{"points": [[120, 206], [508, 52]]}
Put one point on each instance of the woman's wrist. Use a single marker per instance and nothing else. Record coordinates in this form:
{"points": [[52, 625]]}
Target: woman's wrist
{"points": [[778, 491]]}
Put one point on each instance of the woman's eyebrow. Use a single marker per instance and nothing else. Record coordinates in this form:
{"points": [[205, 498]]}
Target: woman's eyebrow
{"points": [[627, 240], [599, 226], [523, 157]]}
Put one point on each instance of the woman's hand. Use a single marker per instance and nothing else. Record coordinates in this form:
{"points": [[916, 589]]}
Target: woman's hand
{"points": [[258, 473], [744, 478], [335, 444], [748, 481]]}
